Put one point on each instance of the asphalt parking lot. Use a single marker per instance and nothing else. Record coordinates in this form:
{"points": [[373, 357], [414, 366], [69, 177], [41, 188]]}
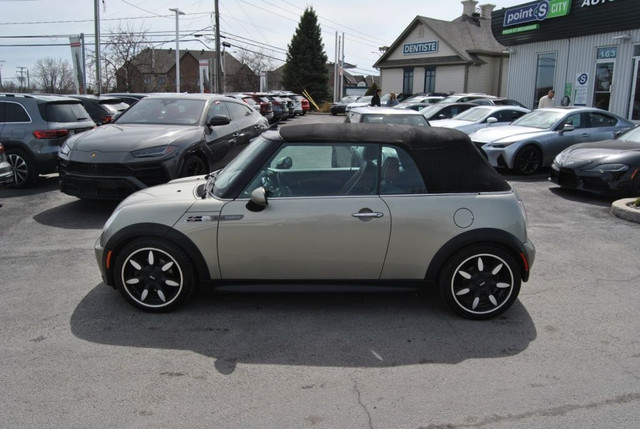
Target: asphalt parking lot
{"points": [[75, 354]]}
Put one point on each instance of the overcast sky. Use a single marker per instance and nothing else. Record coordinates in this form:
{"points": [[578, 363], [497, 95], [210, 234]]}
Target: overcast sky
{"points": [[259, 25]]}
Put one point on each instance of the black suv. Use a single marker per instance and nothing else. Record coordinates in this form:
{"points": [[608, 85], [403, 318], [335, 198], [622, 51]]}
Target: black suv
{"points": [[32, 129], [102, 109]]}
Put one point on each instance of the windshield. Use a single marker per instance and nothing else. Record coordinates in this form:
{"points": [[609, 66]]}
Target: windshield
{"points": [[539, 119], [474, 114], [166, 111], [633, 135], [430, 110], [225, 178]]}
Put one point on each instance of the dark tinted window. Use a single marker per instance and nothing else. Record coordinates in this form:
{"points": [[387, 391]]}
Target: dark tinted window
{"points": [[238, 111], [601, 120], [507, 115], [13, 112], [63, 112]]}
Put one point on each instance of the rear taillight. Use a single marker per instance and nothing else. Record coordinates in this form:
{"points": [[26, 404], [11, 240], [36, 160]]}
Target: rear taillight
{"points": [[50, 134], [106, 119], [265, 107], [1, 149]]}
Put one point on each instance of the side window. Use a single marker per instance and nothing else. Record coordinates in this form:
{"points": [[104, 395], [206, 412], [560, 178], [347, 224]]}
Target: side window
{"points": [[508, 115], [217, 108], [13, 112], [399, 174], [309, 170], [599, 120], [238, 111], [574, 120]]}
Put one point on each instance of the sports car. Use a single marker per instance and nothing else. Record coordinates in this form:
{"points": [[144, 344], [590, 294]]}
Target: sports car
{"points": [[609, 167]]}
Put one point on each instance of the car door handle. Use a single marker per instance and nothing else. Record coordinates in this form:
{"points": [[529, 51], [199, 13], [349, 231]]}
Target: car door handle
{"points": [[368, 215]]}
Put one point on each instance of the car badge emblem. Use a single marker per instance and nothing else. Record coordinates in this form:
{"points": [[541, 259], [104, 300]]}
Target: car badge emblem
{"points": [[93, 155]]}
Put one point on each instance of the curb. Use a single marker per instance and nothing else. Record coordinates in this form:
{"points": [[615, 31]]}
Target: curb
{"points": [[621, 209]]}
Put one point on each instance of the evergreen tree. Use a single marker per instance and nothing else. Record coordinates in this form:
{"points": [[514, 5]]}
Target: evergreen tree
{"points": [[306, 67]]}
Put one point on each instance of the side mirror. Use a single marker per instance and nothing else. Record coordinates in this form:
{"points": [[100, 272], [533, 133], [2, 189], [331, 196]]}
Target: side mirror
{"points": [[567, 127], [284, 163], [442, 116], [491, 120], [218, 120], [258, 200]]}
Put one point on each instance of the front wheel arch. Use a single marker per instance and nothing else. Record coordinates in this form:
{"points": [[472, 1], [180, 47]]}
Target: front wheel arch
{"points": [[528, 159], [152, 230]]}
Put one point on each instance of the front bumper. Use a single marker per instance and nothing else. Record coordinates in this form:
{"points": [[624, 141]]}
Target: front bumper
{"points": [[601, 183]]}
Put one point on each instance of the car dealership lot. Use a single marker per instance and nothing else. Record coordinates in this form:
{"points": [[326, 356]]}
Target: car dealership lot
{"points": [[75, 354]]}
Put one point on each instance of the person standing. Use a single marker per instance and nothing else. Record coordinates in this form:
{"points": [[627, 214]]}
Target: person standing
{"points": [[375, 100], [393, 100], [547, 100]]}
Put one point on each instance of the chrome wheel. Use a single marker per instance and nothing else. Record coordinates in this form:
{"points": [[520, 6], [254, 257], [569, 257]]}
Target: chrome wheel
{"points": [[528, 160], [23, 173], [481, 283], [154, 275]]}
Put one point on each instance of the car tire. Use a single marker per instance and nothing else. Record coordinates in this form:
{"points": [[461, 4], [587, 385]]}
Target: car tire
{"points": [[154, 275], [193, 166], [527, 160], [480, 282], [25, 173]]}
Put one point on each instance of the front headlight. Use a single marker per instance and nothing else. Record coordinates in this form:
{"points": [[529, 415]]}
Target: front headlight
{"points": [[609, 168], [154, 151], [501, 145], [560, 158], [64, 149]]}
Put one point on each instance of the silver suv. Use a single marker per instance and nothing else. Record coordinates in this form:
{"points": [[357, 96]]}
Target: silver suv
{"points": [[32, 129]]}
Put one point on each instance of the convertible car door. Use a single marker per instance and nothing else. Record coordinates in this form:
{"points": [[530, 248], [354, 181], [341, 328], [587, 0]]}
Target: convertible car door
{"points": [[304, 238], [303, 233]]}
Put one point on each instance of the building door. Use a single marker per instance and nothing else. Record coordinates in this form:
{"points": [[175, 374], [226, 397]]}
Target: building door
{"points": [[634, 107], [604, 77]]}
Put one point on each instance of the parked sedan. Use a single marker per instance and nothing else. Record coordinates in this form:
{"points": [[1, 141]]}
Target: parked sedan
{"points": [[610, 167], [445, 110], [156, 140], [339, 106], [481, 117], [386, 115], [328, 205], [534, 140]]}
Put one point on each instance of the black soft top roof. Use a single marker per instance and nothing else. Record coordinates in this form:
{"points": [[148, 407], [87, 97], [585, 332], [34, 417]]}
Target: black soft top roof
{"points": [[447, 159]]}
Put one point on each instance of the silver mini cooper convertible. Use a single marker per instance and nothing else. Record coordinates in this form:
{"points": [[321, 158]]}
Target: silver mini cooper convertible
{"points": [[352, 205]]}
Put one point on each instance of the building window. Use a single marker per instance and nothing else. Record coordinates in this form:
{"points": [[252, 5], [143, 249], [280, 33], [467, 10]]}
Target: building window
{"points": [[634, 108], [545, 73], [407, 81], [162, 80], [429, 79], [147, 80]]}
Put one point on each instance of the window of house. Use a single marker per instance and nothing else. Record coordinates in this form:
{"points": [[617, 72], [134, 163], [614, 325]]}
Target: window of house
{"points": [[429, 79], [407, 81], [545, 72]]}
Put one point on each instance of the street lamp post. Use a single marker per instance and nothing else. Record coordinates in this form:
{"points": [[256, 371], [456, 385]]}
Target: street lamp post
{"points": [[178, 13]]}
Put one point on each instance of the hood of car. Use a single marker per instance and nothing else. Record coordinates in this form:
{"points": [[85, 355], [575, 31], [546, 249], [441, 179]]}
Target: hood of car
{"points": [[449, 123], [607, 151], [130, 137], [512, 132]]}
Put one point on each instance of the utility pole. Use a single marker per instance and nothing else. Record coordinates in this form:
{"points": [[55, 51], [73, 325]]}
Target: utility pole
{"points": [[21, 78], [1, 61], [178, 13], [218, 60], [96, 12]]}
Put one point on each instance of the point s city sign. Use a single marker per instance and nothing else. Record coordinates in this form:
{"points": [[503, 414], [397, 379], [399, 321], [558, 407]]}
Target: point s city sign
{"points": [[536, 11]]}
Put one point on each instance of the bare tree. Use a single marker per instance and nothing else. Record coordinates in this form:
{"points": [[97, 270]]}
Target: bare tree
{"points": [[123, 46], [54, 76], [256, 61]]}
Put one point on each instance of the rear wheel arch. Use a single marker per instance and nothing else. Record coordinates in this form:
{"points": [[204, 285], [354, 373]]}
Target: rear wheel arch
{"points": [[489, 237]]}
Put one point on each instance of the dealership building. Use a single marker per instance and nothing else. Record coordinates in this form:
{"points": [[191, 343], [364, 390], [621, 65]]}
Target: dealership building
{"points": [[588, 51]]}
